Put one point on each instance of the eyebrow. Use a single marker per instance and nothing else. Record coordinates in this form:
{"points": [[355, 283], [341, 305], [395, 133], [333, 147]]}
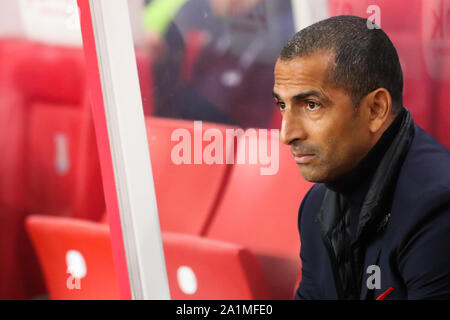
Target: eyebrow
{"points": [[275, 95], [303, 95]]}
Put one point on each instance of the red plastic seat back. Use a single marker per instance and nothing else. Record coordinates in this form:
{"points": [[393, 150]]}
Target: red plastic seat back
{"points": [[13, 126], [53, 155], [260, 211], [12, 147], [49, 73], [200, 268], [61, 170], [186, 193], [70, 249]]}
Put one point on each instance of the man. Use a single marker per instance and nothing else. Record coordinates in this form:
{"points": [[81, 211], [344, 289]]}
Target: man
{"points": [[166, 49], [379, 215]]}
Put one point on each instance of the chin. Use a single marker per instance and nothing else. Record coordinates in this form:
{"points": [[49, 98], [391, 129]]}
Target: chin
{"points": [[312, 175]]}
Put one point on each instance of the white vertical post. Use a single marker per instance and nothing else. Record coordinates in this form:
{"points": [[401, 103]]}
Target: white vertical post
{"points": [[307, 12], [136, 7], [129, 149]]}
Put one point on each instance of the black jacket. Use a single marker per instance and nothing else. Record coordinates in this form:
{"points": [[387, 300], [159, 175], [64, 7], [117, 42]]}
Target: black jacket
{"points": [[413, 250]]}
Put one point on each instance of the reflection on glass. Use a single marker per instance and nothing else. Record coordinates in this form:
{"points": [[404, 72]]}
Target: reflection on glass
{"points": [[213, 60], [211, 65]]}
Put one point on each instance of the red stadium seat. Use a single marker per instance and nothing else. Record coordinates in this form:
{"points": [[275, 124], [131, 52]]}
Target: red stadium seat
{"points": [[62, 169], [260, 212], [33, 76], [200, 268], [57, 74], [61, 158], [20, 274], [197, 268], [49, 73], [267, 203], [16, 280], [196, 187], [13, 119], [104, 219], [186, 194], [13, 114], [71, 249], [54, 143]]}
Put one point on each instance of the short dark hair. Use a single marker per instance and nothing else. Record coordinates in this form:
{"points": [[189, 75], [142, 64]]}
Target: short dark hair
{"points": [[364, 59]]}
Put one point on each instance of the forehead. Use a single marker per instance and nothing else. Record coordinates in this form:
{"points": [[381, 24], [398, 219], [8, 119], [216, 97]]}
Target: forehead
{"points": [[302, 73]]}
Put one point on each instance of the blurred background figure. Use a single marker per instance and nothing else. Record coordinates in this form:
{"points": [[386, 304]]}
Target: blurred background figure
{"points": [[217, 57]]}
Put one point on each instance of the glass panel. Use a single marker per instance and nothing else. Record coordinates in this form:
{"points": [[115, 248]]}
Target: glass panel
{"points": [[212, 61], [211, 71], [54, 240]]}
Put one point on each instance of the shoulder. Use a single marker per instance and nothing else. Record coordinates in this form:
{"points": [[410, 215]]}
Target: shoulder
{"points": [[427, 161], [420, 220], [425, 174], [423, 185]]}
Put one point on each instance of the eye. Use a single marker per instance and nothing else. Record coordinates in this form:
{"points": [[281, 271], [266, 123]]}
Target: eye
{"points": [[281, 105], [312, 105]]}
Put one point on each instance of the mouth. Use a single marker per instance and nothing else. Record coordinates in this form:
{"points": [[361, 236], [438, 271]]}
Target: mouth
{"points": [[303, 158]]}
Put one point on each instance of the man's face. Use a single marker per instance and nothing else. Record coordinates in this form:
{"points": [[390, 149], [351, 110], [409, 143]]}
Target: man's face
{"points": [[327, 135]]}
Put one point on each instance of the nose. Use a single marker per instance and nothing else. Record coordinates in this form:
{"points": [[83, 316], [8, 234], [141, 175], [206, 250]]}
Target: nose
{"points": [[291, 128]]}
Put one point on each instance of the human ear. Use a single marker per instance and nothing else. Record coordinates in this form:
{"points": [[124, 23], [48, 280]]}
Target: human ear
{"points": [[379, 104]]}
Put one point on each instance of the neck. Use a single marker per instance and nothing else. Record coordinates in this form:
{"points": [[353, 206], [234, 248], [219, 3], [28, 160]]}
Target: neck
{"points": [[354, 184]]}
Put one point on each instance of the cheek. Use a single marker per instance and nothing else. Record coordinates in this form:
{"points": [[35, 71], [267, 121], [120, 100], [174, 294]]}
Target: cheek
{"points": [[326, 138], [334, 135], [336, 145], [347, 148]]}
